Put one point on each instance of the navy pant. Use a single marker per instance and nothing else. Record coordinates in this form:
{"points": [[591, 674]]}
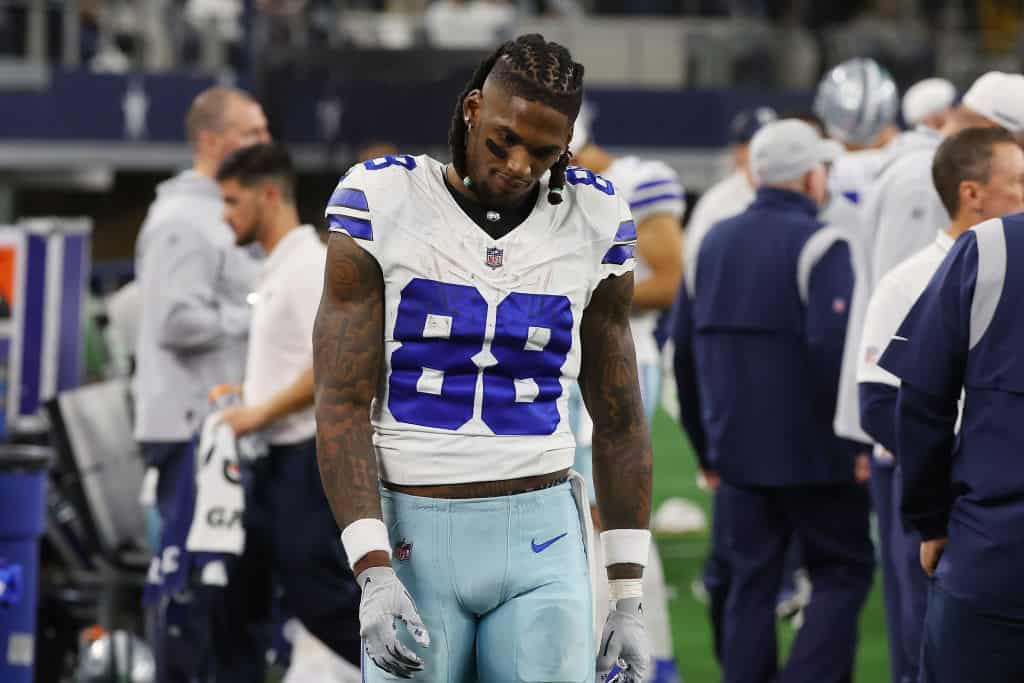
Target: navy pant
{"points": [[912, 583], [288, 510], [207, 633], [964, 645], [888, 520], [831, 524], [717, 574]]}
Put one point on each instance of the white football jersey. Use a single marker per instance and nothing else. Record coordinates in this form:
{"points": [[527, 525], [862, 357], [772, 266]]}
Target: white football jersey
{"points": [[649, 187], [853, 172], [481, 335]]}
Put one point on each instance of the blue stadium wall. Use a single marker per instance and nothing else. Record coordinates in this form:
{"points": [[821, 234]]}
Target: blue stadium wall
{"points": [[76, 107]]}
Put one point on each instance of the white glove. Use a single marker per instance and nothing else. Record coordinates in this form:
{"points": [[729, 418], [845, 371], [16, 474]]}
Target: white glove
{"points": [[624, 642], [385, 601]]}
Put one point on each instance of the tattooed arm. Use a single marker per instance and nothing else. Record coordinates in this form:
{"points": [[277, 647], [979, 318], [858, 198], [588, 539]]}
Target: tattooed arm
{"points": [[611, 391], [348, 345]]}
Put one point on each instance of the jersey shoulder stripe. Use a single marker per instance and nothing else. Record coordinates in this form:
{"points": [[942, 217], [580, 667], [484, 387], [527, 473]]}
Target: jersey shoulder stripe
{"points": [[349, 211], [676, 195], [626, 232], [624, 245], [357, 228], [619, 254], [350, 198], [655, 183], [607, 217], [365, 191], [649, 187]]}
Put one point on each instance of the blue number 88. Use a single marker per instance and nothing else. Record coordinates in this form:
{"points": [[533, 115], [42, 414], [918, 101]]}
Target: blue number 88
{"points": [[584, 176], [442, 329]]}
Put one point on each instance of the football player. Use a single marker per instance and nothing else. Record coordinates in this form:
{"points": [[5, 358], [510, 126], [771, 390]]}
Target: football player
{"points": [[461, 302]]}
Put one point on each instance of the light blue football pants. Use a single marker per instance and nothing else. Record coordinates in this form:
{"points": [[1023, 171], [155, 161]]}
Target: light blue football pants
{"points": [[501, 583]]}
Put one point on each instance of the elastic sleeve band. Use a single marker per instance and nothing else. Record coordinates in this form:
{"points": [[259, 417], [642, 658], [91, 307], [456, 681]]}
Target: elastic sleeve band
{"points": [[624, 589], [365, 536], [626, 546]]}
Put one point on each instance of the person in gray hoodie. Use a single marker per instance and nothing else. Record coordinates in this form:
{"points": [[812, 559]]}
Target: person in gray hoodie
{"points": [[195, 320]]}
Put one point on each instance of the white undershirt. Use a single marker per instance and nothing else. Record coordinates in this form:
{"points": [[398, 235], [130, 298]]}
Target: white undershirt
{"points": [[896, 294], [284, 308]]}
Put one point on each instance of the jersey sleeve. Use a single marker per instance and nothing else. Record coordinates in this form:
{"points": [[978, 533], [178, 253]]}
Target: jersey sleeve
{"points": [[620, 251], [348, 210], [657, 190]]}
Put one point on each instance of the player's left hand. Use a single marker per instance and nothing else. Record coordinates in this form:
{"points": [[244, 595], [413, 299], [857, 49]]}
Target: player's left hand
{"points": [[931, 553], [862, 468], [624, 642], [243, 419]]}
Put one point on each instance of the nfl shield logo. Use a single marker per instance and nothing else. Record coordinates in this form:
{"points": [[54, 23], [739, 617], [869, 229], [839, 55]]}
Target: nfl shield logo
{"points": [[495, 257], [403, 551], [871, 355]]}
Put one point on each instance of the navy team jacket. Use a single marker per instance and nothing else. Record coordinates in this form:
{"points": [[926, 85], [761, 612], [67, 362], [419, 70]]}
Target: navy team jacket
{"points": [[967, 332], [759, 333]]}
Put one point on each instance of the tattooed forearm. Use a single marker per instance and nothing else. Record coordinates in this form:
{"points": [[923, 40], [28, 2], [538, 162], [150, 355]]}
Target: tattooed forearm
{"points": [[611, 391], [347, 349]]}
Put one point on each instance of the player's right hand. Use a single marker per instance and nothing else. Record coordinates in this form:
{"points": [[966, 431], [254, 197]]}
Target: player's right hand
{"points": [[385, 602]]}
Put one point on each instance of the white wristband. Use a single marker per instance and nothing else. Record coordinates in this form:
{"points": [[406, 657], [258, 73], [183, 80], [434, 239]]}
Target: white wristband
{"points": [[365, 536], [623, 589], [626, 546]]}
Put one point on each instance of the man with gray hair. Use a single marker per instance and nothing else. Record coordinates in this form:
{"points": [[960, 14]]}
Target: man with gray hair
{"points": [[764, 328], [195, 319]]}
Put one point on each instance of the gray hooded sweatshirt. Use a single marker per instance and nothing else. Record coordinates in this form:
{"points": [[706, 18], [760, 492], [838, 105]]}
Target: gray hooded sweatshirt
{"points": [[195, 318]]}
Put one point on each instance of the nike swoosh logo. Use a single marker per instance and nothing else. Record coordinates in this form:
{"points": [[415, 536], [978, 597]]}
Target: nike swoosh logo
{"points": [[896, 337], [541, 547]]}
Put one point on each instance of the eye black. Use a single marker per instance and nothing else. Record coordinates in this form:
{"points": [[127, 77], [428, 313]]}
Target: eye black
{"points": [[496, 149]]}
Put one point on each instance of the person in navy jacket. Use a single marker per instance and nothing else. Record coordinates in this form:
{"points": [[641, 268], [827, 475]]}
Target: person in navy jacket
{"points": [[979, 174], [759, 342], [965, 495]]}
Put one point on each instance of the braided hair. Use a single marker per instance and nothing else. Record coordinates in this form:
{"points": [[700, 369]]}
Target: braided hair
{"points": [[533, 69]]}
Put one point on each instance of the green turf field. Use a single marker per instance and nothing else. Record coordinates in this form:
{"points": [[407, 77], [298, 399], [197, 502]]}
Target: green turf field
{"points": [[674, 475]]}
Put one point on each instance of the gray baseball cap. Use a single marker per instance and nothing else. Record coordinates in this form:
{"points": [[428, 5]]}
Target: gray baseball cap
{"points": [[782, 151]]}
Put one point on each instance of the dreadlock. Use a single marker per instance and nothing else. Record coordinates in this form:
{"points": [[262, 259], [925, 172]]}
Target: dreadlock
{"points": [[534, 69]]}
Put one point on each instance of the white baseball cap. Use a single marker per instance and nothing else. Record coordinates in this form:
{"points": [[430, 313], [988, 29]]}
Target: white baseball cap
{"points": [[927, 97], [784, 150], [999, 97]]}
